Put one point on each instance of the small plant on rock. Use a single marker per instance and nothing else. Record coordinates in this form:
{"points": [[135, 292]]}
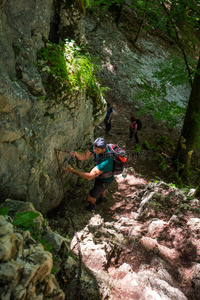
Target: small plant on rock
{"points": [[24, 220], [146, 145], [161, 162]]}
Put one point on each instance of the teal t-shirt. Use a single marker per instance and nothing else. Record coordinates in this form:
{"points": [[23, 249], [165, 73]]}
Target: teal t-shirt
{"points": [[105, 164]]}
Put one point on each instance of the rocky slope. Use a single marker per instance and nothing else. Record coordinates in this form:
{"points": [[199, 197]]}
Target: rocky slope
{"points": [[143, 243]]}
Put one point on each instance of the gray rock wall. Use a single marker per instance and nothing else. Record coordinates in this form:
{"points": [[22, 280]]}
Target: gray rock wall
{"points": [[30, 127]]}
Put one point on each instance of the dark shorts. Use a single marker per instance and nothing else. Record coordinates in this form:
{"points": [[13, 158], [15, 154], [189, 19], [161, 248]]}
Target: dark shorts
{"points": [[99, 187]]}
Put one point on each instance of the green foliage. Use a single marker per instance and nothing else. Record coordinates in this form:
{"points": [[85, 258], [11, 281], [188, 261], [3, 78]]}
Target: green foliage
{"points": [[154, 96], [67, 237], [81, 180], [161, 162], [79, 151], [4, 211], [197, 118], [25, 219], [53, 54], [138, 148], [146, 145], [172, 185], [47, 246], [68, 63], [54, 270], [165, 142], [155, 148], [104, 4], [185, 12], [42, 98], [173, 71], [167, 16], [79, 67], [175, 175]]}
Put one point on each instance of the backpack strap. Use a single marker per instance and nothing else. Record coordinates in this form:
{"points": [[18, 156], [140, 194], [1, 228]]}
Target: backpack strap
{"points": [[105, 154]]}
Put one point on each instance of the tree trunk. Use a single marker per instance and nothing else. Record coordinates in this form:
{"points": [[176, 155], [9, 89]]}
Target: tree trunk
{"points": [[141, 23], [197, 191], [178, 39], [80, 6], [140, 26], [119, 13], [190, 128]]}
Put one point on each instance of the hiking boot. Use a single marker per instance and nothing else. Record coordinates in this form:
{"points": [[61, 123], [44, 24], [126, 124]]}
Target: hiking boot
{"points": [[90, 207], [100, 200], [104, 199]]}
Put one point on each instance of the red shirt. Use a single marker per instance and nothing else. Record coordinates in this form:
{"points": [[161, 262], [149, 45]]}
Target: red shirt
{"points": [[134, 126]]}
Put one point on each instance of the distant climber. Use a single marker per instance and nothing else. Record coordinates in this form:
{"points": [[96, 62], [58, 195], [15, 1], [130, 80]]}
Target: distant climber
{"points": [[135, 126], [102, 172], [108, 118]]}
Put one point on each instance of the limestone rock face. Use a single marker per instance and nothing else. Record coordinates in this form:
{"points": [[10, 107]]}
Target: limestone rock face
{"points": [[31, 128]]}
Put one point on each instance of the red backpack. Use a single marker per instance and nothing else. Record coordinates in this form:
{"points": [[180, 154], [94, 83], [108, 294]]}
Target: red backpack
{"points": [[119, 158]]}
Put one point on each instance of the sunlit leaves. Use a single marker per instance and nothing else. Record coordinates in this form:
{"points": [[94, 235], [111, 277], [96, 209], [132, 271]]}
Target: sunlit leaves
{"points": [[67, 61], [174, 71], [154, 101]]}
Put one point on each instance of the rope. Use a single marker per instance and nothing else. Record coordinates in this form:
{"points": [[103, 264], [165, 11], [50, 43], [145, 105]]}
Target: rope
{"points": [[78, 283]]}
